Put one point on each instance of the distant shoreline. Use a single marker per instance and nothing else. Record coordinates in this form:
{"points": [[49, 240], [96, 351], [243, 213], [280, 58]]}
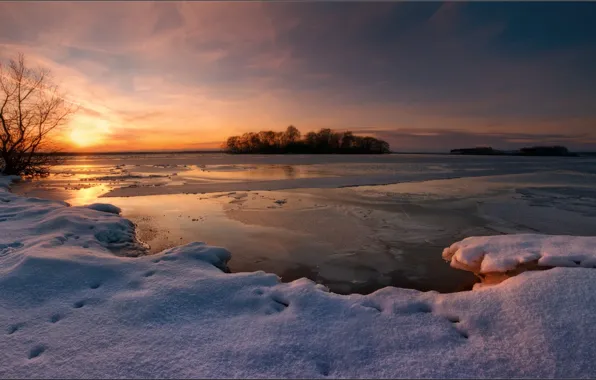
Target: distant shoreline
{"points": [[531, 151], [71, 154]]}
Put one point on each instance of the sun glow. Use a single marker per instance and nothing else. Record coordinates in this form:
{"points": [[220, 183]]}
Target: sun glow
{"points": [[82, 138], [88, 132]]}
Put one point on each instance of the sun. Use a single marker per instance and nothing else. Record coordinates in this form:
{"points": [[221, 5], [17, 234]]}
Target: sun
{"points": [[87, 131], [83, 137]]}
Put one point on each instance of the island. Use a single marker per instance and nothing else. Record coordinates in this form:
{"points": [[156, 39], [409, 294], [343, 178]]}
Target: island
{"points": [[325, 141]]}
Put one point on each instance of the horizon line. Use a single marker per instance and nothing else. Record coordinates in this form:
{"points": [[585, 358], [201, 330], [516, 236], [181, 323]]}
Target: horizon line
{"points": [[223, 152]]}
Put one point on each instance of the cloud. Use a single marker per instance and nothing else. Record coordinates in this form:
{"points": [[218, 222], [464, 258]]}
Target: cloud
{"points": [[202, 71]]}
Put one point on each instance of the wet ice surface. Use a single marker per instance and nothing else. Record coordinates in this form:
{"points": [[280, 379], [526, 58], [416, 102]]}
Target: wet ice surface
{"points": [[286, 214]]}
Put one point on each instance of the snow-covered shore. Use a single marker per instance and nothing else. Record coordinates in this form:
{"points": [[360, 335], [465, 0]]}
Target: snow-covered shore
{"points": [[73, 303]]}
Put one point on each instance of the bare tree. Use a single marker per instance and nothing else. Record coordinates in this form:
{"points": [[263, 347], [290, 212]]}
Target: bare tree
{"points": [[291, 135], [31, 108]]}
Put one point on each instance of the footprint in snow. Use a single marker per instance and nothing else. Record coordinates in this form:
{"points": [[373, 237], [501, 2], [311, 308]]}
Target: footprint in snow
{"points": [[95, 285], [79, 304], [14, 328], [36, 351], [456, 325], [149, 273], [279, 304]]}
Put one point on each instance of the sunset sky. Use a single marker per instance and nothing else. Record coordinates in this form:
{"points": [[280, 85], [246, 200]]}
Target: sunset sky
{"points": [[424, 76]]}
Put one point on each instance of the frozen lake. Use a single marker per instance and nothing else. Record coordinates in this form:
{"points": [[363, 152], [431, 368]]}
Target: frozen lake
{"points": [[353, 223]]}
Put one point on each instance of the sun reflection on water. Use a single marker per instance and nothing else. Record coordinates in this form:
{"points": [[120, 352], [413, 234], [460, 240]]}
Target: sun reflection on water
{"points": [[85, 196]]}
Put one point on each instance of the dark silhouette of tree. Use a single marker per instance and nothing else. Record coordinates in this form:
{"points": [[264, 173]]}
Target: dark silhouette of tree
{"points": [[234, 144], [290, 141], [347, 140], [31, 108], [291, 135], [311, 139]]}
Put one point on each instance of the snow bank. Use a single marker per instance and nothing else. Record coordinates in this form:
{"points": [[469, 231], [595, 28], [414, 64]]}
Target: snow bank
{"points": [[36, 224], [70, 308], [489, 254]]}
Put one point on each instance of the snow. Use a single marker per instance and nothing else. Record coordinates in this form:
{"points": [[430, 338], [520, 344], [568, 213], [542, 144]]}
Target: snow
{"points": [[105, 207], [7, 180], [502, 253], [38, 224], [72, 308]]}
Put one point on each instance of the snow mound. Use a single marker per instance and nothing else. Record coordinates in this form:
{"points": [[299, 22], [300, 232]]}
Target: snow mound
{"points": [[70, 308], [105, 207], [502, 253], [36, 224], [216, 256]]}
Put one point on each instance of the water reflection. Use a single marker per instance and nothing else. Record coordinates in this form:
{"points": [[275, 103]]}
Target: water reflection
{"points": [[353, 240], [86, 196], [283, 233], [293, 239], [255, 172]]}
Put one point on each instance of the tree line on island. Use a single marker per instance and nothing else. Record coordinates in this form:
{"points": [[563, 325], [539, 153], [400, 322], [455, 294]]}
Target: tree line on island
{"points": [[291, 141]]}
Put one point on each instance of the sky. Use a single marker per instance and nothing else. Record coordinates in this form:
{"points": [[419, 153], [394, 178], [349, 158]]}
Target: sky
{"points": [[424, 76]]}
